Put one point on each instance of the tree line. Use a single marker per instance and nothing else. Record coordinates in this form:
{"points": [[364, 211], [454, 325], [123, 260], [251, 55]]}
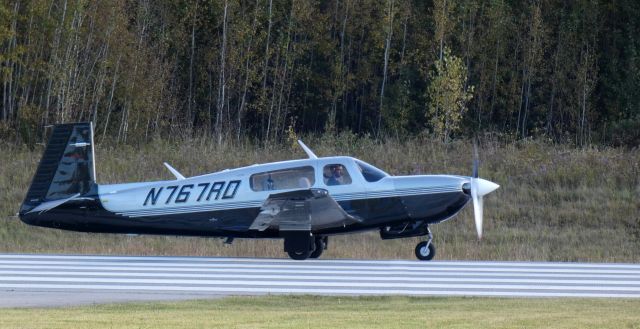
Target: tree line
{"points": [[566, 70]]}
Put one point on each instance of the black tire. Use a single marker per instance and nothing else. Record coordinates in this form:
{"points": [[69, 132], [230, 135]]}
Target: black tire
{"points": [[425, 253], [320, 246], [299, 255]]}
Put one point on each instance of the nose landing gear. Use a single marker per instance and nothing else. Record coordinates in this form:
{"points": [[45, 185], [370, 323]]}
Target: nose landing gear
{"points": [[425, 250]]}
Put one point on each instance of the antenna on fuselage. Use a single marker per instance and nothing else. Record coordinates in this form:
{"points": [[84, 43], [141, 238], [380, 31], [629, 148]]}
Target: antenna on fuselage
{"points": [[307, 150], [174, 171]]}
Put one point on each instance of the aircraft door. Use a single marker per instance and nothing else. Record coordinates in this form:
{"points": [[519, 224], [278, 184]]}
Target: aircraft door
{"points": [[340, 178]]}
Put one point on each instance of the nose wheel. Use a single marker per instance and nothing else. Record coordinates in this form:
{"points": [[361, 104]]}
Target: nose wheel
{"points": [[425, 250]]}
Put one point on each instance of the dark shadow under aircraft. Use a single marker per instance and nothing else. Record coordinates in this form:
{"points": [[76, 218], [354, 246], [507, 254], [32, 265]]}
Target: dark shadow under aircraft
{"points": [[301, 201]]}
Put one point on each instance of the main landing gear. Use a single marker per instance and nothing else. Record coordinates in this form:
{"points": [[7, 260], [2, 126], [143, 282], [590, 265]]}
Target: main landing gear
{"points": [[320, 244], [303, 245], [425, 250]]}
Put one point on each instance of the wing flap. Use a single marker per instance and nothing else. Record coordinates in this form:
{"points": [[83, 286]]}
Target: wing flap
{"points": [[302, 210]]}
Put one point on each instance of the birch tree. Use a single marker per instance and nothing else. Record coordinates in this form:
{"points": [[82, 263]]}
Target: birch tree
{"points": [[447, 94]]}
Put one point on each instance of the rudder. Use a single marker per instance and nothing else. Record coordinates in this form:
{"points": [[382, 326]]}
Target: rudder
{"points": [[67, 166]]}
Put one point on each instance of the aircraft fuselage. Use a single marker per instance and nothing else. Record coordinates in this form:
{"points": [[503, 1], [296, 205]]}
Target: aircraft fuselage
{"points": [[211, 205]]}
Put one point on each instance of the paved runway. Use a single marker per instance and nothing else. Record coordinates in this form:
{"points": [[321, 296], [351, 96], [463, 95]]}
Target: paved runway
{"points": [[46, 280]]}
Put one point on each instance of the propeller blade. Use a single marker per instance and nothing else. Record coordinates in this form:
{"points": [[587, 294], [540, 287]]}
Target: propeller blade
{"points": [[476, 161], [479, 188], [477, 213], [477, 200], [477, 206]]}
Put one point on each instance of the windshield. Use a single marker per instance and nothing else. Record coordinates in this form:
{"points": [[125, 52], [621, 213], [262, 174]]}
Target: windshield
{"points": [[370, 173]]}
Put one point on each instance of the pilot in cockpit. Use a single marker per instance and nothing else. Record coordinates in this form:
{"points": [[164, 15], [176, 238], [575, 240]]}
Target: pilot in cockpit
{"points": [[337, 176]]}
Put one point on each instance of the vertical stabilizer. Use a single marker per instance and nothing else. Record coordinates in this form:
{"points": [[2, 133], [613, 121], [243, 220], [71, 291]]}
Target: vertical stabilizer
{"points": [[67, 166]]}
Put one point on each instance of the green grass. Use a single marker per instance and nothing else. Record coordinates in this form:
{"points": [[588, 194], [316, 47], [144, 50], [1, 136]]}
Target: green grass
{"points": [[337, 312], [555, 203]]}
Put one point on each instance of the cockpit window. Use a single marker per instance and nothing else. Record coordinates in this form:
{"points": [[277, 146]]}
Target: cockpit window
{"points": [[291, 178], [370, 173]]}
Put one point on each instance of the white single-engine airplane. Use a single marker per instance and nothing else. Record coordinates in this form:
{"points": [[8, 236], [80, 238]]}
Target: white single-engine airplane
{"points": [[302, 201]]}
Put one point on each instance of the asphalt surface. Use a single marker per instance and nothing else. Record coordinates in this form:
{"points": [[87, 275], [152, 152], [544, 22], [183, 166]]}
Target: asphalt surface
{"points": [[59, 280]]}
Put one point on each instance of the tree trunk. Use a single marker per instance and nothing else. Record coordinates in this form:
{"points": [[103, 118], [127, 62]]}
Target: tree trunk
{"points": [[246, 73], [222, 90], [193, 50], [554, 83], [386, 65], [444, 16], [113, 88], [265, 73]]}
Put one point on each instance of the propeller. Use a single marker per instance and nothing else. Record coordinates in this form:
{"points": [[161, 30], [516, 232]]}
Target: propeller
{"points": [[479, 188]]}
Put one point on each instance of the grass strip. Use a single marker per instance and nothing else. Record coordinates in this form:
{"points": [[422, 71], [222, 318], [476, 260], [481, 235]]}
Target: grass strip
{"points": [[338, 312]]}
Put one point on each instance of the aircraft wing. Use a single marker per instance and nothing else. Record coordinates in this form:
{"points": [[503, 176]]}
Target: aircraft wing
{"points": [[302, 210]]}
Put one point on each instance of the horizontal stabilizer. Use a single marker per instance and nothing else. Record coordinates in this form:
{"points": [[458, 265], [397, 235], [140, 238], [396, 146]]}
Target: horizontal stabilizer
{"points": [[46, 206]]}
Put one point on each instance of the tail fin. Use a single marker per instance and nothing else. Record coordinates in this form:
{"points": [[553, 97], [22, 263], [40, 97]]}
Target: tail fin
{"points": [[66, 168]]}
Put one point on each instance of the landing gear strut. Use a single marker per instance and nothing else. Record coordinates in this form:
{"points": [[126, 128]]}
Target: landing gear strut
{"points": [[425, 250]]}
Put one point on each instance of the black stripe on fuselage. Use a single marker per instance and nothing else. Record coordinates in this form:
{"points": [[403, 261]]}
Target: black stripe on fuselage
{"points": [[88, 215]]}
